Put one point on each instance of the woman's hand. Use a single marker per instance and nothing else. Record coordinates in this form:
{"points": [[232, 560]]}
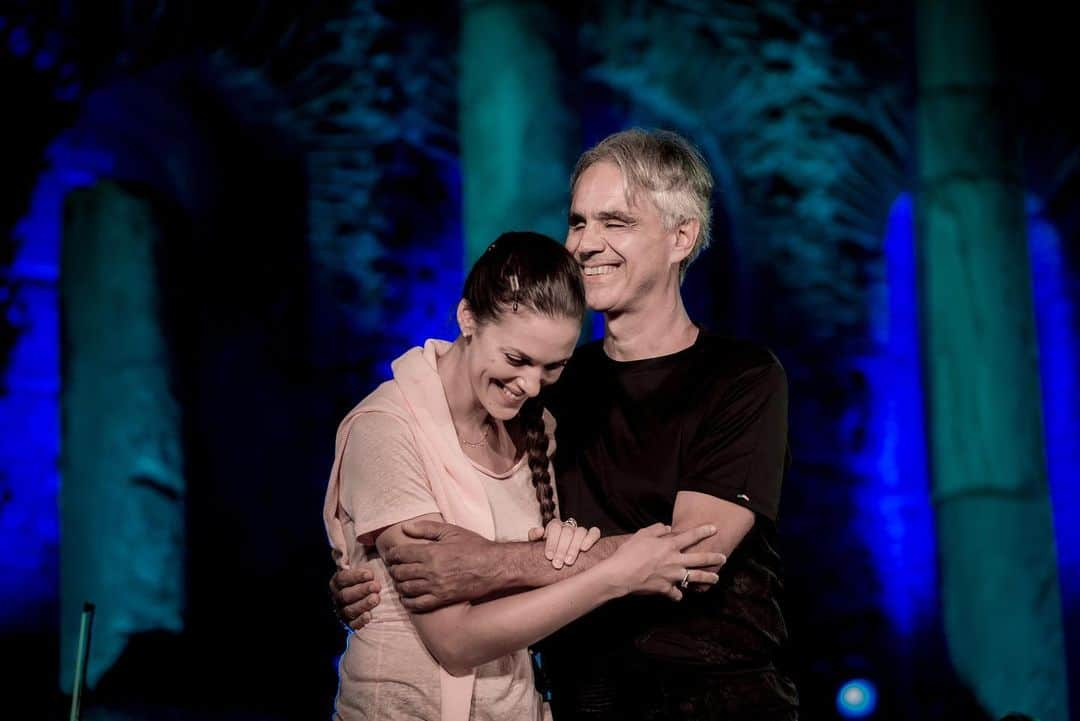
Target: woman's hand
{"points": [[565, 540], [654, 561]]}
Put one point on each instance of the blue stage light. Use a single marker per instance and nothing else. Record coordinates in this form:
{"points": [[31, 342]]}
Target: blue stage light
{"points": [[856, 699]]}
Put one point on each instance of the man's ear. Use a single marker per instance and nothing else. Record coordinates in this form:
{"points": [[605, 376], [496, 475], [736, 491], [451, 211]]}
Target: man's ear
{"points": [[465, 319], [685, 238]]}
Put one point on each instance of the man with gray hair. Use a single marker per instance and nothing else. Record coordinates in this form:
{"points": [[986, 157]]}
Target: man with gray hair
{"points": [[658, 422]]}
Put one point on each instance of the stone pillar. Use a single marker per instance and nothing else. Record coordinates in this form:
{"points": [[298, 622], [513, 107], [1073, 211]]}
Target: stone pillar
{"points": [[122, 488], [517, 136], [998, 564]]}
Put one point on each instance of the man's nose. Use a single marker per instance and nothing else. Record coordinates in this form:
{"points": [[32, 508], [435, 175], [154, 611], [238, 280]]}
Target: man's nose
{"points": [[591, 241]]}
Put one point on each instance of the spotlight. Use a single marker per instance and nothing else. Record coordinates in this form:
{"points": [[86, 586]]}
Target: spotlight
{"points": [[856, 699]]}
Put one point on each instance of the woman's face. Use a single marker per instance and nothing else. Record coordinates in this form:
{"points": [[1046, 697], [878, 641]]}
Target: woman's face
{"points": [[511, 358]]}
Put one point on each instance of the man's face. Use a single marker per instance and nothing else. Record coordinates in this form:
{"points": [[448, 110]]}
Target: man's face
{"points": [[623, 249]]}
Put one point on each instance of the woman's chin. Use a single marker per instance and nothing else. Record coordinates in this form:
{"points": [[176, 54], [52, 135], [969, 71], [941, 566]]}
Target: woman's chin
{"points": [[503, 412], [502, 409]]}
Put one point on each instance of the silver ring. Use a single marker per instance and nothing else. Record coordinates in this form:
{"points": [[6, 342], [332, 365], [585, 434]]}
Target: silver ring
{"points": [[570, 522], [685, 579]]}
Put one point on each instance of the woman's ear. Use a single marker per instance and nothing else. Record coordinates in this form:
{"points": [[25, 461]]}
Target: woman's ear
{"points": [[465, 319]]}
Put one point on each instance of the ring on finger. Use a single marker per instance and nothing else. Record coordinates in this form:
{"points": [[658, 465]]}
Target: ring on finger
{"points": [[570, 522], [685, 579]]}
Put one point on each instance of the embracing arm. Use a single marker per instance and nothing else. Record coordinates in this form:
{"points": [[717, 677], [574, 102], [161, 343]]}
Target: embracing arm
{"points": [[732, 521], [464, 566], [465, 635]]}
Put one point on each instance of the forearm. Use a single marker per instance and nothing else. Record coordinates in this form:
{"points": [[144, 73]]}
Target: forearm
{"points": [[474, 634], [524, 565], [732, 522], [461, 566]]}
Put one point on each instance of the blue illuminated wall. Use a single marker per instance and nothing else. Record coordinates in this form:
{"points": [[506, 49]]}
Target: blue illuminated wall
{"points": [[896, 517], [29, 413], [899, 524], [1057, 294]]}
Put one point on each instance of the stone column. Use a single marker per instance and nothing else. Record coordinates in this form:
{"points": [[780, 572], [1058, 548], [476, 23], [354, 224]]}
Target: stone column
{"points": [[517, 136], [122, 487], [998, 563]]}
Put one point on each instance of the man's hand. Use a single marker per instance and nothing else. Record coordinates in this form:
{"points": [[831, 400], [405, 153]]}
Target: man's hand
{"points": [[458, 566], [354, 593]]}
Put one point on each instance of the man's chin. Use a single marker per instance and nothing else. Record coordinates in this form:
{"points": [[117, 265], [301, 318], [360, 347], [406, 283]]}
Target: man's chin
{"points": [[598, 302]]}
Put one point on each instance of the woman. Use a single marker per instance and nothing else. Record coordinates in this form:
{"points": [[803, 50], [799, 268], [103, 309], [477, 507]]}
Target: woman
{"points": [[459, 435]]}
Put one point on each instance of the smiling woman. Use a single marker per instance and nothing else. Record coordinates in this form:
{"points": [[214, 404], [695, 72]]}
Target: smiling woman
{"points": [[459, 435]]}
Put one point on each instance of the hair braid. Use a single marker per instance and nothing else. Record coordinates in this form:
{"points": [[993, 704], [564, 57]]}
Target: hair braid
{"points": [[536, 448]]}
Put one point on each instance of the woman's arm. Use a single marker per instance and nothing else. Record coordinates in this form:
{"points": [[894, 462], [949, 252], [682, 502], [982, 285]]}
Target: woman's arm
{"points": [[465, 635]]}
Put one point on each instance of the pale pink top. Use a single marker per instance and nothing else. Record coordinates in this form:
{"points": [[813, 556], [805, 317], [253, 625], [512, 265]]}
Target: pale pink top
{"points": [[386, 471]]}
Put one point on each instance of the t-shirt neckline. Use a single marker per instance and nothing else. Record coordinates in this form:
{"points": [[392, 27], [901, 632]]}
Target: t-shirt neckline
{"points": [[655, 361]]}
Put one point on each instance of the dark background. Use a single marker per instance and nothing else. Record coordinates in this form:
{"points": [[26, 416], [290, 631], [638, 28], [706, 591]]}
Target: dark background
{"points": [[303, 169]]}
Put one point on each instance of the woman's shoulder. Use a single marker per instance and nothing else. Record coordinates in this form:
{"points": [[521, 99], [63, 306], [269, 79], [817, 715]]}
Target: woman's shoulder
{"points": [[383, 414]]}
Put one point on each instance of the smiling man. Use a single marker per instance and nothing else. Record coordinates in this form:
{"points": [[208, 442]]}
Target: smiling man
{"points": [[658, 422]]}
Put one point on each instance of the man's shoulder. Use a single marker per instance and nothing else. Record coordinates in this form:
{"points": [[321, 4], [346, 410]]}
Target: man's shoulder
{"points": [[732, 357]]}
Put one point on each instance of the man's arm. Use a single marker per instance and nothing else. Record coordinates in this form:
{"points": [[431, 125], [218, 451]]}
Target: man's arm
{"points": [[732, 521], [464, 635], [737, 464], [463, 566]]}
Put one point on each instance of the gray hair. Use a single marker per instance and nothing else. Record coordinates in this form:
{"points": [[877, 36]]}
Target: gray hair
{"points": [[667, 167]]}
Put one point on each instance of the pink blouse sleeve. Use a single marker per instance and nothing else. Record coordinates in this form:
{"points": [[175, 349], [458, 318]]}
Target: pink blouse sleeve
{"points": [[382, 477]]}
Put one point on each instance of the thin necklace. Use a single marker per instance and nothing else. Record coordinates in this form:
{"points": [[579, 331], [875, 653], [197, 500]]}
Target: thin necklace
{"points": [[479, 444]]}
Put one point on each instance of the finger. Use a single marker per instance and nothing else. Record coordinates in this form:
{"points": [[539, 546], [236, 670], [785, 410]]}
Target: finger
{"points": [[360, 621], [707, 578], [659, 585], [354, 610], [655, 530], [591, 538], [416, 587], [575, 545], [566, 537], [429, 530], [421, 604], [674, 594], [552, 534], [368, 603], [406, 571], [350, 577], [535, 534], [408, 553], [702, 559], [689, 538], [348, 596]]}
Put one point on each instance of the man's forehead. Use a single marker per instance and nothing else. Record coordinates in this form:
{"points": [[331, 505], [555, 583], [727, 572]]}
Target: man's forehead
{"points": [[617, 193]]}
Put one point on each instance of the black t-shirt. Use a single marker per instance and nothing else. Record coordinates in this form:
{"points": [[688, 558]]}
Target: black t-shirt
{"points": [[713, 419]]}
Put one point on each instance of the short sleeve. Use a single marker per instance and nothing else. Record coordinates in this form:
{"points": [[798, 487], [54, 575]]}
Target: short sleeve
{"points": [[382, 477], [740, 452]]}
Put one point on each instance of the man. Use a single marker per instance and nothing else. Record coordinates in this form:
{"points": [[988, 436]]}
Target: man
{"points": [[658, 422]]}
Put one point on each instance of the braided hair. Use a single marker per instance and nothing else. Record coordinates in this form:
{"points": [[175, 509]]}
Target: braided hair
{"points": [[528, 271]]}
